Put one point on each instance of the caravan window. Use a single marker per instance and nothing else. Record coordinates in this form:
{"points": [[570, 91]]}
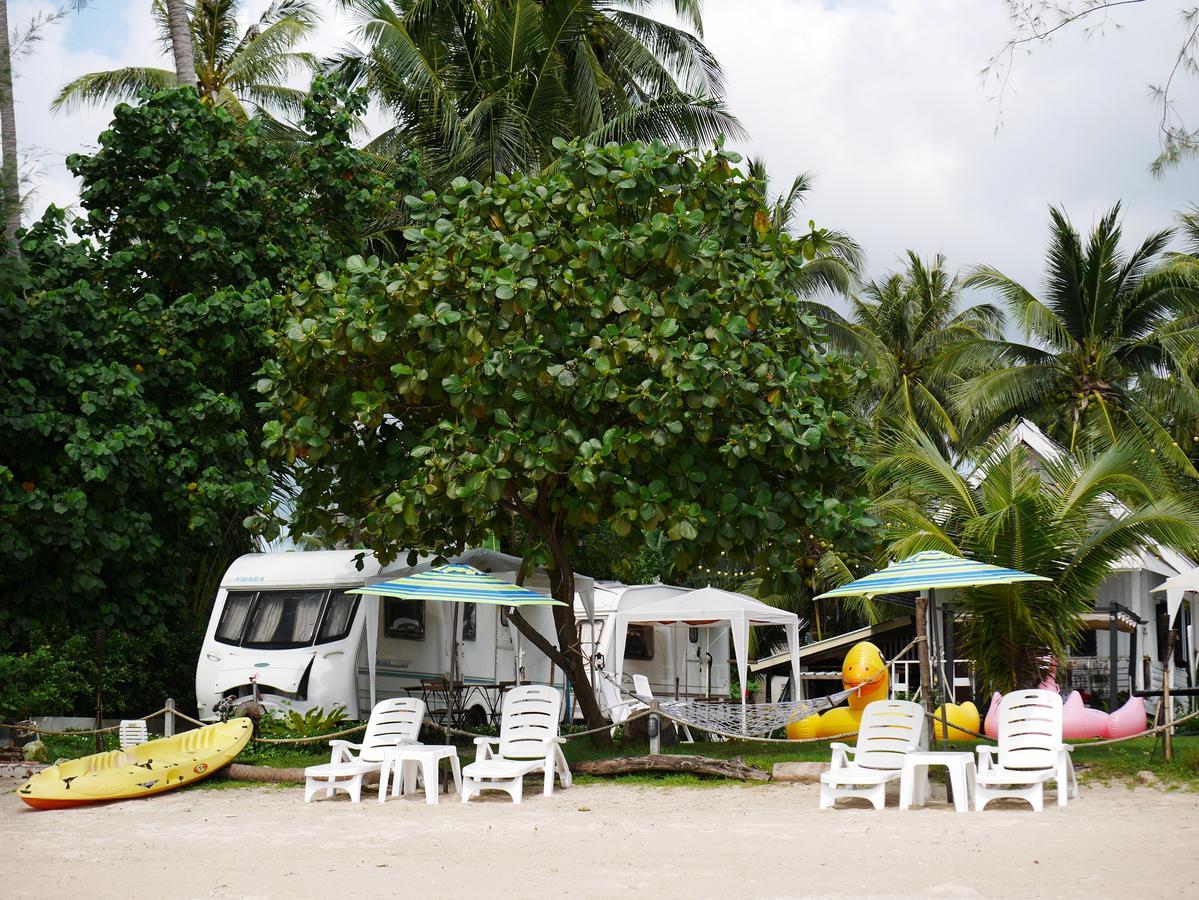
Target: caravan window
{"points": [[339, 616], [639, 642], [404, 618], [284, 619], [233, 616], [470, 621]]}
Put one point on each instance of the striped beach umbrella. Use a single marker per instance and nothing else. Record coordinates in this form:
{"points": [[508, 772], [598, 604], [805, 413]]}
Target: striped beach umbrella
{"points": [[923, 574], [458, 584], [929, 570]]}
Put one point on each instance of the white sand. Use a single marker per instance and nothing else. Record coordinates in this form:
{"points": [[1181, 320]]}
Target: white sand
{"points": [[597, 841]]}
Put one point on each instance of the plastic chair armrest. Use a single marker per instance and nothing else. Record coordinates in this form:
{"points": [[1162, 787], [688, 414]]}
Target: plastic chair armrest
{"points": [[841, 753]]}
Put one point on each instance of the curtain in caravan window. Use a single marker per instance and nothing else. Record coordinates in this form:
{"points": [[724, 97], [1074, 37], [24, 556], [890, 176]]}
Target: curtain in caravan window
{"points": [[233, 616], [339, 615], [284, 619]]}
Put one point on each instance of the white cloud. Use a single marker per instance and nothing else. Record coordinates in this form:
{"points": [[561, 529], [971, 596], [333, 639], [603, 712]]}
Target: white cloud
{"points": [[881, 99]]}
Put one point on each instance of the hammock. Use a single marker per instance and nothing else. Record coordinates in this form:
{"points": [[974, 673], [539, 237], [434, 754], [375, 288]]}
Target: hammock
{"points": [[750, 720]]}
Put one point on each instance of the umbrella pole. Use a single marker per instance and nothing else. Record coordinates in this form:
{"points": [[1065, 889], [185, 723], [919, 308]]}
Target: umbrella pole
{"points": [[452, 694]]}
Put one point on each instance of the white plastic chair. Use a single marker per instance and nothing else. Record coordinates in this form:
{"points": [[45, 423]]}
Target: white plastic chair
{"points": [[889, 729], [391, 724], [528, 743], [133, 733], [1030, 753]]}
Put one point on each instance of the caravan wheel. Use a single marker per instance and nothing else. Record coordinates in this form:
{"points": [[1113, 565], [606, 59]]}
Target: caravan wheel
{"points": [[476, 717]]}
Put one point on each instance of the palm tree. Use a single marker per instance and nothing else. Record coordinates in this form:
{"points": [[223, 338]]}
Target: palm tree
{"points": [[1111, 343], [10, 177], [487, 86], [179, 26], [836, 261], [234, 70], [1048, 517], [910, 329]]}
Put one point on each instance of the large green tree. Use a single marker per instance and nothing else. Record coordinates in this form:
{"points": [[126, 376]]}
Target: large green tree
{"points": [[1110, 343], [486, 86], [239, 71], [129, 439], [1069, 519], [603, 344], [910, 328]]}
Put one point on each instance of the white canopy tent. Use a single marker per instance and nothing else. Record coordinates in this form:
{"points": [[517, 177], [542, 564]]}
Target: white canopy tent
{"points": [[709, 606]]}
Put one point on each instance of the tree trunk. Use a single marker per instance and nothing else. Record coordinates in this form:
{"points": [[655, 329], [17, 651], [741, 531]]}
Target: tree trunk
{"points": [[922, 649], [10, 176], [181, 43]]}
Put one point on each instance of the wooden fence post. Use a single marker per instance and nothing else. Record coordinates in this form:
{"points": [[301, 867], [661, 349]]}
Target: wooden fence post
{"points": [[168, 718], [654, 729]]}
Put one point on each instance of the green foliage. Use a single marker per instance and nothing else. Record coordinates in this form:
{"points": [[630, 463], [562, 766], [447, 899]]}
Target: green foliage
{"points": [[56, 676], [486, 87], [1112, 343], [1068, 519], [129, 439], [293, 724], [909, 328], [601, 554]]}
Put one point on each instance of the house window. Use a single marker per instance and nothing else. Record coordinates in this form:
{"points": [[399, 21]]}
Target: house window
{"points": [[470, 613], [1085, 644], [404, 618], [639, 643]]}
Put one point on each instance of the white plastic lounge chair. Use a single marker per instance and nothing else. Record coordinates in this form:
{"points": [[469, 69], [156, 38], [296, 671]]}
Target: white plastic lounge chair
{"points": [[132, 733], [392, 723], [1030, 752], [889, 729], [528, 743]]}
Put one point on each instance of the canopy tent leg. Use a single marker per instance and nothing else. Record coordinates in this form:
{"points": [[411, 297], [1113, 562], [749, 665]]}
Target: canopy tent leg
{"points": [[372, 642]]}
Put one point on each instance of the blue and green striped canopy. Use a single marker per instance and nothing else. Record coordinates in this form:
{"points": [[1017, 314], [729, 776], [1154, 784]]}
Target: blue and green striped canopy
{"points": [[927, 570], [458, 584]]}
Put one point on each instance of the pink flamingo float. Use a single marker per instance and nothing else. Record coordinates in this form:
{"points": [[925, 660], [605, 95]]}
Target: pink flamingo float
{"points": [[1080, 722]]}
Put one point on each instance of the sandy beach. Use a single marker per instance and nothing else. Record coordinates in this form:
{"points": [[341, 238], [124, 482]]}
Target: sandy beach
{"points": [[601, 840]]}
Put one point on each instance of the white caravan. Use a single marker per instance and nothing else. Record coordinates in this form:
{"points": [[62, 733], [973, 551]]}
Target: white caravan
{"points": [[679, 660], [285, 621]]}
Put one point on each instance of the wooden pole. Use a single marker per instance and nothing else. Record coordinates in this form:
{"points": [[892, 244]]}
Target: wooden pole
{"points": [[99, 638], [168, 718], [926, 670], [1168, 711]]}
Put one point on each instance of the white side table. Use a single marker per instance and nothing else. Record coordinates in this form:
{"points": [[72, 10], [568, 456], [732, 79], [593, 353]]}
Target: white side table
{"points": [[401, 763], [913, 779]]}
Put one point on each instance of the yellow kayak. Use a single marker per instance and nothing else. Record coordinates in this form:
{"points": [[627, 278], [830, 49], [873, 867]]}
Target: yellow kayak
{"points": [[149, 768]]}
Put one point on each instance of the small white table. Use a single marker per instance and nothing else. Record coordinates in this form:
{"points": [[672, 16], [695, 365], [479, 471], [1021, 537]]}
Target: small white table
{"points": [[401, 763], [913, 779]]}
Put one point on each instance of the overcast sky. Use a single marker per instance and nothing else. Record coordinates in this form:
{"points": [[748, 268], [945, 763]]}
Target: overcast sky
{"points": [[880, 99]]}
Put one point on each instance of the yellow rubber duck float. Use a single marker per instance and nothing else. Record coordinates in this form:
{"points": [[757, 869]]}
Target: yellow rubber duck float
{"points": [[959, 717], [863, 668]]}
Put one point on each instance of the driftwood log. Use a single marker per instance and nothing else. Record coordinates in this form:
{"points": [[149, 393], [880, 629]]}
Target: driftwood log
{"points": [[240, 772], [691, 765]]}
